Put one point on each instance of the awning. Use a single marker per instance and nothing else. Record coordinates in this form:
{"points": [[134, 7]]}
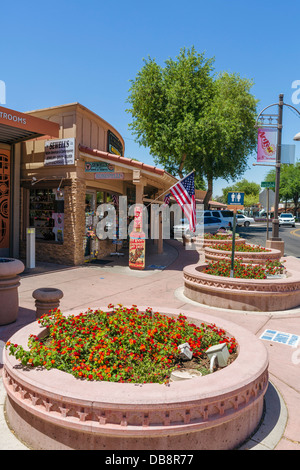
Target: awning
{"points": [[17, 127]]}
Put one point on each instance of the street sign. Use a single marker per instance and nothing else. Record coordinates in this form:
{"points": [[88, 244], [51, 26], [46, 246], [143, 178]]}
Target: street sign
{"points": [[235, 198], [268, 184]]}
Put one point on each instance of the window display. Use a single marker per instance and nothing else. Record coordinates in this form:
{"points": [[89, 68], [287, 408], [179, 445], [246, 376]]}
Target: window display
{"points": [[46, 214]]}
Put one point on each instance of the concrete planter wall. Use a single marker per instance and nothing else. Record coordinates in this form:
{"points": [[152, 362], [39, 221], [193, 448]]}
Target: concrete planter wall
{"points": [[212, 254], [10, 269], [54, 410], [266, 295], [201, 243]]}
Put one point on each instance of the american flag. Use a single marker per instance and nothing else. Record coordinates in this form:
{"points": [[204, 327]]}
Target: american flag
{"points": [[167, 199], [184, 193]]}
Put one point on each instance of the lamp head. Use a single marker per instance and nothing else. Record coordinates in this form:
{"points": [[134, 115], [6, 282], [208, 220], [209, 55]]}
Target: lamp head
{"points": [[297, 136]]}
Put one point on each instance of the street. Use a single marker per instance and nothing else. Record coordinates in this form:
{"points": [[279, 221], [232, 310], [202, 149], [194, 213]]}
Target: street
{"points": [[257, 234]]}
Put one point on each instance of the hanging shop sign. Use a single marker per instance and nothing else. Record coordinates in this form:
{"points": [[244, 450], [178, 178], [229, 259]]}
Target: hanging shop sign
{"points": [[266, 145], [114, 145], [96, 167], [60, 152], [109, 176]]}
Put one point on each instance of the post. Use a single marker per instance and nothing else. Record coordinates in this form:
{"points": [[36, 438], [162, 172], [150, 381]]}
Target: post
{"points": [[30, 247], [268, 208], [233, 244], [275, 222]]}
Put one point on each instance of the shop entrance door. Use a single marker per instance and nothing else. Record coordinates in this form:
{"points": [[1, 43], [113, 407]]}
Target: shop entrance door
{"points": [[90, 248], [4, 202]]}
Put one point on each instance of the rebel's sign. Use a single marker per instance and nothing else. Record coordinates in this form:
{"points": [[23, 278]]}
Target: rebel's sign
{"points": [[38, 126]]}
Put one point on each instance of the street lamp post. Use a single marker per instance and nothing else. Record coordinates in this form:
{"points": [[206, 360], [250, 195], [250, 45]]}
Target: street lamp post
{"points": [[275, 222]]}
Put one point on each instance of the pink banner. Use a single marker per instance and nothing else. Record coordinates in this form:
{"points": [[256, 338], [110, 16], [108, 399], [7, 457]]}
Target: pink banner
{"points": [[266, 145]]}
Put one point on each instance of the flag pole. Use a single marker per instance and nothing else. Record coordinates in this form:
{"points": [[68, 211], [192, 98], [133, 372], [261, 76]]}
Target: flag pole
{"points": [[170, 188]]}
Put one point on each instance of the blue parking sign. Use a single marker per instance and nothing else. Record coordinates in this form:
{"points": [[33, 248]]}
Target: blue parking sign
{"points": [[235, 198]]}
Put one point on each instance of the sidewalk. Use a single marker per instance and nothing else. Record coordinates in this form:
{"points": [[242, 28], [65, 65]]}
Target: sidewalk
{"points": [[161, 285]]}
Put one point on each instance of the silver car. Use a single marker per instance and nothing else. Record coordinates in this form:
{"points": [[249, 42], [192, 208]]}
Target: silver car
{"points": [[209, 225], [242, 219]]}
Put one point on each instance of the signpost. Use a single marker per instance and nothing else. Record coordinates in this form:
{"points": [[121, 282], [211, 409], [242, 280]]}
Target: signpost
{"points": [[268, 185], [236, 201]]}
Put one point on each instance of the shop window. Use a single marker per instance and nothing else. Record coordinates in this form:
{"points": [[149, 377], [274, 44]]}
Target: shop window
{"points": [[46, 214]]}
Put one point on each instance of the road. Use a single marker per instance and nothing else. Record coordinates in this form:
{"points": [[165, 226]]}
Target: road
{"points": [[257, 234]]}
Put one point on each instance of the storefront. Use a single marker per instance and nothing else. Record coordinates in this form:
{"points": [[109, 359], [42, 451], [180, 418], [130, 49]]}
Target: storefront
{"points": [[64, 181], [15, 128]]}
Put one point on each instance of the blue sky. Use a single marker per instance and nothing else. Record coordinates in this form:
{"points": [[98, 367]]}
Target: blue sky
{"points": [[64, 51]]}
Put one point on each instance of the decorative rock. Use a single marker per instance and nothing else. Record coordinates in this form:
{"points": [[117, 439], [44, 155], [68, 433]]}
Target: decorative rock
{"points": [[185, 351], [221, 352], [9, 283], [184, 374], [47, 299]]}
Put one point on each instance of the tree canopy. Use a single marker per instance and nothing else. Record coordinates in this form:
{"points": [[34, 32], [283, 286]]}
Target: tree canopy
{"points": [[191, 118], [250, 189], [289, 185]]}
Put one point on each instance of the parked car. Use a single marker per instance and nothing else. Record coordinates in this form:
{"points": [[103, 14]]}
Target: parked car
{"points": [[287, 219], [213, 224], [226, 216], [242, 219], [210, 224]]}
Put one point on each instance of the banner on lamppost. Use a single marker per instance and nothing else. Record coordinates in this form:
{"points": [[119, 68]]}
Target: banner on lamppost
{"points": [[266, 145]]}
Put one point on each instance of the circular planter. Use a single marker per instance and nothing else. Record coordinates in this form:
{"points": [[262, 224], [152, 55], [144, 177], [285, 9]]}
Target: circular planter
{"points": [[266, 295], [9, 283], [213, 254], [204, 242], [46, 300], [50, 409]]}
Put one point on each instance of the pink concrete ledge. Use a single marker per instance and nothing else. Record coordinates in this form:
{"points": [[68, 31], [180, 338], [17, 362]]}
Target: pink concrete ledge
{"points": [[212, 254], [261, 295], [201, 243], [54, 410]]}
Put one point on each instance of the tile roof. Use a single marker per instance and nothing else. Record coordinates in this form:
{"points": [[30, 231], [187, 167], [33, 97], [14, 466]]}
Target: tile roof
{"points": [[127, 161]]}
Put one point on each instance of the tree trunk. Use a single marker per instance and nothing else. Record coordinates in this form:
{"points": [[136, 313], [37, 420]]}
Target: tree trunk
{"points": [[181, 165], [208, 194], [296, 203]]}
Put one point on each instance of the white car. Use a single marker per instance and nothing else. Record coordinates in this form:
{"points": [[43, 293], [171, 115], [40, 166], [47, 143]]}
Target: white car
{"points": [[210, 224], [287, 219], [224, 215], [242, 219]]}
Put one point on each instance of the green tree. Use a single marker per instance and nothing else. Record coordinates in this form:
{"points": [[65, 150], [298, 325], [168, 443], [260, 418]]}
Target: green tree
{"points": [[289, 186], [191, 119], [250, 189]]}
